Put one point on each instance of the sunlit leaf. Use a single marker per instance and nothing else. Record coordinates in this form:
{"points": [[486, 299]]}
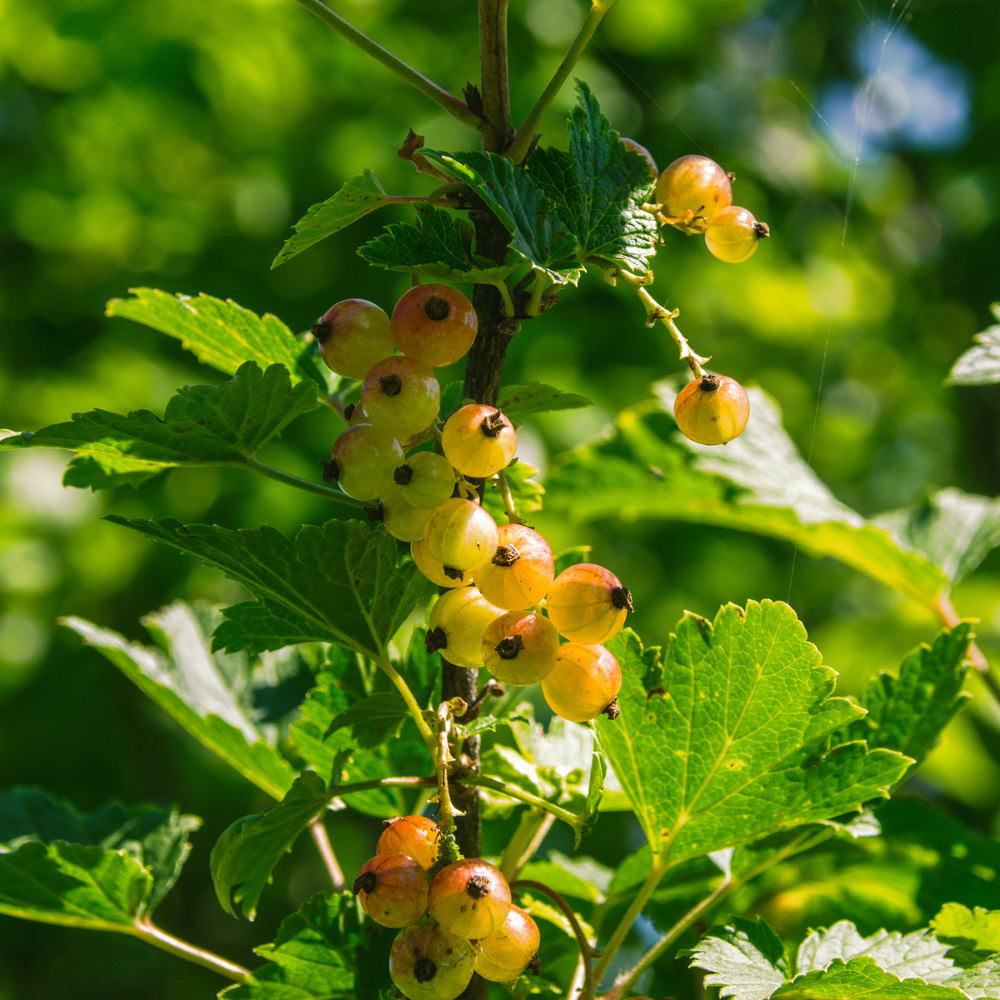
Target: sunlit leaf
{"points": [[980, 365], [537, 397]]}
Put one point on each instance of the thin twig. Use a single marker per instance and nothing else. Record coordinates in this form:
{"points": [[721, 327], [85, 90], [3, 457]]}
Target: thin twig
{"points": [[322, 839], [428, 87], [148, 931]]}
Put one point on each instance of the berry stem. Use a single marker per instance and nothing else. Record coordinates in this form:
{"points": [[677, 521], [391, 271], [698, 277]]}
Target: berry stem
{"points": [[326, 852], [411, 702], [657, 313], [147, 931], [337, 496], [518, 149], [508, 301], [440, 96], [508, 501], [442, 764]]}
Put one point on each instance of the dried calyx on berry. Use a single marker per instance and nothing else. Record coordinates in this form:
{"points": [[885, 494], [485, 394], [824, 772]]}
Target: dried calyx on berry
{"points": [[436, 639], [509, 646]]}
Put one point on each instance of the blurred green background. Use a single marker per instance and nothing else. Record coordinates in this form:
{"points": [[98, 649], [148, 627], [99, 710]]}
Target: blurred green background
{"points": [[173, 142]]}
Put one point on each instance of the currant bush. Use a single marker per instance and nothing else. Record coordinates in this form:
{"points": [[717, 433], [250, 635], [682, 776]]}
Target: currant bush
{"points": [[353, 335], [470, 898], [712, 410], [479, 440], [584, 683], [393, 890], [425, 480], [733, 234], [520, 573], [415, 836], [520, 647], [435, 324], [428, 963], [588, 603], [401, 396], [363, 461], [456, 625], [509, 951], [461, 535], [693, 187]]}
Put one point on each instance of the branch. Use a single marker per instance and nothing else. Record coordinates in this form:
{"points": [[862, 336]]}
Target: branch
{"points": [[448, 101], [518, 149], [337, 496], [147, 931], [325, 848]]}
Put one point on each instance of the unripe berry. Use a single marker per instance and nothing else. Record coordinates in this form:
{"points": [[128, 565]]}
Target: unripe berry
{"points": [[712, 410], [461, 535], [436, 324], [520, 648], [363, 461], [644, 153], [392, 889], [353, 335], [588, 603], [584, 683], [401, 396], [428, 963], [732, 234], [401, 519], [456, 626], [436, 571], [520, 573], [426, 480], [478, 440], [470, 898], [693, 184], [415, 836], [508, 952]]}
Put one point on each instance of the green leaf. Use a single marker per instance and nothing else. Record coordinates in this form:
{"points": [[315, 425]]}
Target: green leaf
{"points": [[537, 397], [203, 425], [979, 365], [325, 951], [442, 248], [908, 713], [221, 334], [975, 930], [731, 745], [338, 582], [359, 196], [578, 877], [745, 960], [599, 188], [245, 855], [372, 720], [539, 236], [862, 979], [198, 688], [103, 871], [646, 470], [981, 980], [954, 530], [524, 490]]}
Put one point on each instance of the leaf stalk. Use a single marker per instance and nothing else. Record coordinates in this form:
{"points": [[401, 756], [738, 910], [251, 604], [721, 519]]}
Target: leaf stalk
{"points": [[147, 931], [320, 489]]}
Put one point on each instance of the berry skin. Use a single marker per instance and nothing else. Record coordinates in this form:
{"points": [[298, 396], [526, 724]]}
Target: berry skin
{"points": [[584, 683], [588, 603], [461, 535], [392, 888], [712, 410], [363, 461], [353, 335], [644, 153], [520, 573], [426, 480], [470, 898], [435, 324], [401, 519], [434, 570], [479, 440], [428, 963], [401, 396], [415, 836], [693, 184], [520, 648], [456, 626], [732, 234], [508, 952]]}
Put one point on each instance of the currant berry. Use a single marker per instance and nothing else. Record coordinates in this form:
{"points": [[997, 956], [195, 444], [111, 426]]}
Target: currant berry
{"points": [[712, 410], [588, 603], [470, 898], [584, 683], [508, 952], [521, 570], [693, 184], [401, 396], [644, 153], [456, 626], [478, 440], [363, 461], [353, 335], [392, 888], [520, 648], [435, 324], [461, 535], [426, 480], [401, 519], [428, 963], [436, 571], [732, 234], [415, 836]]}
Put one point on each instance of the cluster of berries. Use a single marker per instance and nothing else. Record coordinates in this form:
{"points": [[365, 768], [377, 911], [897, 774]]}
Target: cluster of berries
{"points": [[696, 195], [456, 920], [497, 577]]}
